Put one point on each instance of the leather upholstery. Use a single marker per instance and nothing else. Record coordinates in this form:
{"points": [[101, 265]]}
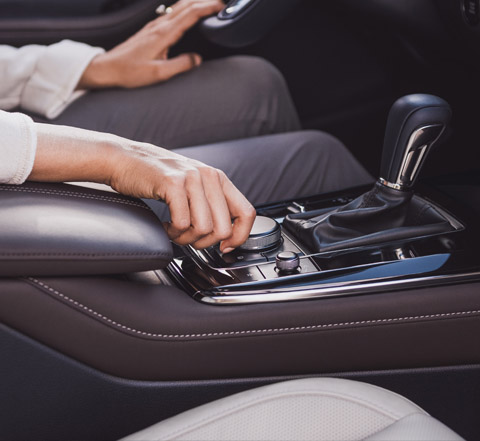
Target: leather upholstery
{"points": [[154, 332], [381, 215], [310, 409], [59, 229]]}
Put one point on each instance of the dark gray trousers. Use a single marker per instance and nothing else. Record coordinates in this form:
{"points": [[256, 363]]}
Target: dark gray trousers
{"points": [[234, 111]]}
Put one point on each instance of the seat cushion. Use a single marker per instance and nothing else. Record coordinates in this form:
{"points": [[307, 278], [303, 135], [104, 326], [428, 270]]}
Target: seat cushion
{"points": [[307, 409]]}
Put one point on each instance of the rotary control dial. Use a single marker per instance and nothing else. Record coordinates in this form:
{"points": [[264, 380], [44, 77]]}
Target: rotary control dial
{"points": [[287, 262], [265, 234]]}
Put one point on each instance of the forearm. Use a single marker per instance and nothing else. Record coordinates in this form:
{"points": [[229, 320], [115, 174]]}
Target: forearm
{"points": [[71, 154], [202, 200]]}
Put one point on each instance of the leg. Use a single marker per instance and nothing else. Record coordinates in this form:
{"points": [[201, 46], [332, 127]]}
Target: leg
{"points": [[284, 166], [279, 167], [231, 98]]}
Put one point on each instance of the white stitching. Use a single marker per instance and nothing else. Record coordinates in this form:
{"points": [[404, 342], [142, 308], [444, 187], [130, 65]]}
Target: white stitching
{"points": [[141, 255], [250, 331], [74, 194]]}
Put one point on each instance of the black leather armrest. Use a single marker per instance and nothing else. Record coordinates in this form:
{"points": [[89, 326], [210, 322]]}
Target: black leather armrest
{"points": [[60, 229]]}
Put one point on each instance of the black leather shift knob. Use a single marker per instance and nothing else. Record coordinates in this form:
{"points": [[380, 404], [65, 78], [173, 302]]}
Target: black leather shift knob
{"points": [[415, 123]]}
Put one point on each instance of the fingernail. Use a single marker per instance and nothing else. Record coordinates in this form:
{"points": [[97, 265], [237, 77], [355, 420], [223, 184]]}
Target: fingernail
{"points": [[197, 59], [227, 250]]}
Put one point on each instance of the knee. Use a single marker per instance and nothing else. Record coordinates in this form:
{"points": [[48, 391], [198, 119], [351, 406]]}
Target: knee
{"points": [[257, 76], [315, 143]]}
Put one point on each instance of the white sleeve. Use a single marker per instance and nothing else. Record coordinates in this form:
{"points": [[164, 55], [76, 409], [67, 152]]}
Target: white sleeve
{"points": [[18, 144], [42, 79]]}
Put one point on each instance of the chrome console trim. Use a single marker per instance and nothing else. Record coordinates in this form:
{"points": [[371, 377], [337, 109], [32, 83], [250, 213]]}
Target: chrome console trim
{"points": [[332, 290]]}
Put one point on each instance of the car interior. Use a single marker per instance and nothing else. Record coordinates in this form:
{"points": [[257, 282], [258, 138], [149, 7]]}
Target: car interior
{"points": [[106, 327]]}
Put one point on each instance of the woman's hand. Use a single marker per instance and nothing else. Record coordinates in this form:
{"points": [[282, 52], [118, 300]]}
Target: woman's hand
{"points": [[143, 58], [205, 207]]}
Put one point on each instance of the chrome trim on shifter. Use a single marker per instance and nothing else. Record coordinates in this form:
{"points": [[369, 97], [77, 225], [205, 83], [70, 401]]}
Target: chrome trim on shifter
{"points": [[418, 146], [389, 184]]}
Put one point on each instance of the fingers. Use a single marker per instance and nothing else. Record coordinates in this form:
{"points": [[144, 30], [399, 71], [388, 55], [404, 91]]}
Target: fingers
{"points": [[177, 201], [166, 69], [221, 218], [184, 5], [242, 213], [143, 58], [185, 16], [205, 207], [201, 223], [202, 209]]}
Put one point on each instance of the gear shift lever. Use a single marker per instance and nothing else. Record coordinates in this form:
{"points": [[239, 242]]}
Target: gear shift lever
{"points": [[415, 123], [388, 212]]}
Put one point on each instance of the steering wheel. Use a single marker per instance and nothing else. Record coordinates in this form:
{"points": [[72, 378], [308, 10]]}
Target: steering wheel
{"points": [[243, 22]]}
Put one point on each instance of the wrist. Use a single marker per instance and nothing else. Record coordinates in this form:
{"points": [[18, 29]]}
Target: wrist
{"points": [[98, 74], [115, 154]]}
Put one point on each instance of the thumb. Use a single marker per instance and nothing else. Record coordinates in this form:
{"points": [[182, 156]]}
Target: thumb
{"points": [[178, 64]]}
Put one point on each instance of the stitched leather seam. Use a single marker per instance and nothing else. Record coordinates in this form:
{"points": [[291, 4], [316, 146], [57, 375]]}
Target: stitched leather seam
{"points": [[134, 331], [85, 254], [77, 195]]}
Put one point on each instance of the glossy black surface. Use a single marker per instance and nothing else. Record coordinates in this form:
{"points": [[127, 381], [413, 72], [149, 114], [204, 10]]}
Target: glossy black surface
{"points": [[443, 258]]}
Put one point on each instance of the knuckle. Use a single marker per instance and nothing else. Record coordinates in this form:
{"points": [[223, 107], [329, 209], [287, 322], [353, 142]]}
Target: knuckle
{"points": [[159, 29], [196, 8], [175, 180], [209, 172], [221, 174], [250, 211], [203, 228], [182, 224], [159, 72], [224, 231], [192, 174]]}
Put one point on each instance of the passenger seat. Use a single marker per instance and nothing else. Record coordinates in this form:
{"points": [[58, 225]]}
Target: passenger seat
{"points": [[308, 409]]}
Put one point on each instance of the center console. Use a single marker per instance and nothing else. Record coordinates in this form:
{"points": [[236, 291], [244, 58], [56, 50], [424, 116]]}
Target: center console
{"points": [[360, 240]]}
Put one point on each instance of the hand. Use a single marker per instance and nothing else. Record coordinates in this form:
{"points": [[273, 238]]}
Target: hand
{"points": [[143, 58], [203, 202], [205, 207]]}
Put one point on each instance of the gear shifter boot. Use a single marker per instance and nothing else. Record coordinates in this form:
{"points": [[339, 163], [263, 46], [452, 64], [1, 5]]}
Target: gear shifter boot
{"points": [[379, 216]]}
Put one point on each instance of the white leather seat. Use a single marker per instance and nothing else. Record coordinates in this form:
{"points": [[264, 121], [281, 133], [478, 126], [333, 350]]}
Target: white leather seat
{"points": [[308, 409]]}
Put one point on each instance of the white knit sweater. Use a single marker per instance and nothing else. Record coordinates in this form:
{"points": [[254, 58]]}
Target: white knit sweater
{"points": [[18, 143], [40, 79]]}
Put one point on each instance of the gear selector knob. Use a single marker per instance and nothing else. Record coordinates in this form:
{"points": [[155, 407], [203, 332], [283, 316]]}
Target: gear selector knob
{"points": [[415, 123]]}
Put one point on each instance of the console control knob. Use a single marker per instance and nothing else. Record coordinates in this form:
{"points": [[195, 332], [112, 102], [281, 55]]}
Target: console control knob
{"points": [[265, 234], [287, 262]]}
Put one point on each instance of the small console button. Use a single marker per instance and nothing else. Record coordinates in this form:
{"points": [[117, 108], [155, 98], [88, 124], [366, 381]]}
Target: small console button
{"points": [[287, 262], [250, 274], [271, 271], [265, 234]]}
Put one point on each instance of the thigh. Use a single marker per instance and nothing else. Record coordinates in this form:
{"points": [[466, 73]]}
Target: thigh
{"points": [[231, 98], [284, 166]]}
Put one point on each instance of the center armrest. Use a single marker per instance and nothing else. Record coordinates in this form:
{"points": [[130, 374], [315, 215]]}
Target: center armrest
{"points": [[60, 229]]}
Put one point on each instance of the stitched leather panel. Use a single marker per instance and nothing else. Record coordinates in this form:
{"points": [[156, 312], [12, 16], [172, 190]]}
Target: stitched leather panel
{"points": [[154, 332], [59, 229]]}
